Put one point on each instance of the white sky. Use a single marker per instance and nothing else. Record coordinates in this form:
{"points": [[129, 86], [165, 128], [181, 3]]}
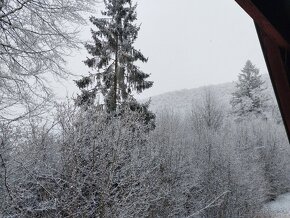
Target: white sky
{"points": [[190, 43]]}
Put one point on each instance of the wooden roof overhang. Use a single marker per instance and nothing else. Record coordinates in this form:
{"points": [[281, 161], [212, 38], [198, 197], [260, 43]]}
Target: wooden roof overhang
{"points": [[272, 21]]}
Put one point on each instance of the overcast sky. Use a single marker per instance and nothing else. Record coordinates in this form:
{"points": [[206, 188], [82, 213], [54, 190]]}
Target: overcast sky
{"points": [[190, 43]]}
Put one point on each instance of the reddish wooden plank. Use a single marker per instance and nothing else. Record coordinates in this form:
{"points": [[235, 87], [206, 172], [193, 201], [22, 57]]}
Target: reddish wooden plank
{"points": [[263, 22], [278, 75]]}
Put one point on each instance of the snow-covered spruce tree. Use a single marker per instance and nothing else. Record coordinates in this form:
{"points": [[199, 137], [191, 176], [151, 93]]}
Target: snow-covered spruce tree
{"points": [[114, 57], [249, 98]]}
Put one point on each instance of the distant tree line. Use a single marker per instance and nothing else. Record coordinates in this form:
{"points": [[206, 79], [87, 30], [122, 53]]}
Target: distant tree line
{"points": [[87, 163]]}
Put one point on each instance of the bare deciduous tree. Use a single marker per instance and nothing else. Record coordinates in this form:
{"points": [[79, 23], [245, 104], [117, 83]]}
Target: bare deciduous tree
{"points": [[208, 114], [35, 37]]}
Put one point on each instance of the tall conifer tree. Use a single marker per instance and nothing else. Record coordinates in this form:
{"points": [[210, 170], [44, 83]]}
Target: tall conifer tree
{"points": [[114, 57], [249, 97]]}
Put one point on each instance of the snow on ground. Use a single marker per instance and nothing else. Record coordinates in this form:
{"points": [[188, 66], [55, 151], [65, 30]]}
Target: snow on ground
{"points": [[280, 208]]}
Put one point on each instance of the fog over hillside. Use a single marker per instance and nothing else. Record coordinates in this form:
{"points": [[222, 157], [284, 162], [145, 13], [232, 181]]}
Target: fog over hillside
{"points": [[183, 100]]}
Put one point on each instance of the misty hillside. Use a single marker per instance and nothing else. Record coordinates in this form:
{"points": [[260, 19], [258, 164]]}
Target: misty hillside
{"points": [[183, 100]]}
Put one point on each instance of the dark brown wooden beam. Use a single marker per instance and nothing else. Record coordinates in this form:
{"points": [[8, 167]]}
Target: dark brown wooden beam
{"points": [[262, 21], [273, 39], [278, 74]]}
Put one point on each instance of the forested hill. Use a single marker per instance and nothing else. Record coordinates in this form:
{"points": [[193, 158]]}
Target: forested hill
{"points": [[183, 100]]}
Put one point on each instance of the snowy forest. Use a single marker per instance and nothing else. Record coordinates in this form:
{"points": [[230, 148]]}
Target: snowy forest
{"points": [[105, 154]]}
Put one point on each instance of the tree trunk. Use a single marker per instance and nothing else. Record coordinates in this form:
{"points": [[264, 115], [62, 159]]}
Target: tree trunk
{"points": [[114, 100]]}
